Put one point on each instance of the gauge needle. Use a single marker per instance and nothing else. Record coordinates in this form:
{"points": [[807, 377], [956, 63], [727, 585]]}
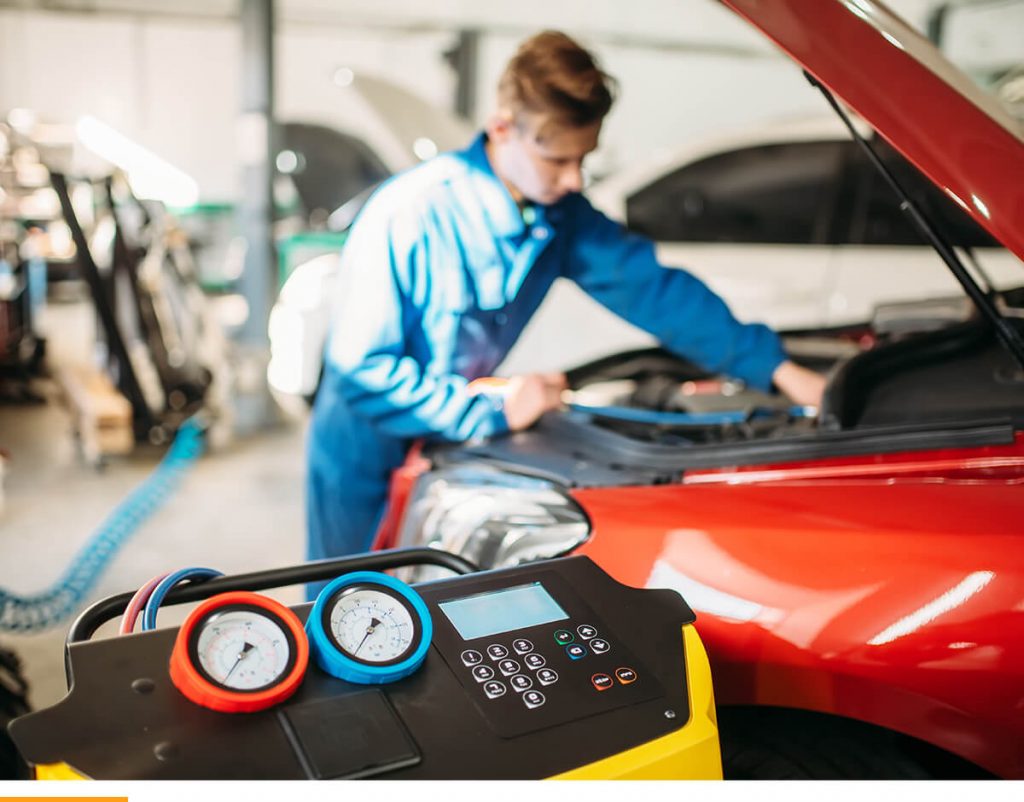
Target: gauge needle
{"points": [[374, 623], [246, 648]]}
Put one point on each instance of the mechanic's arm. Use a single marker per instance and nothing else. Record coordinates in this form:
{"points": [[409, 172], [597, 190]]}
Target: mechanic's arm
{"points": [[619, 270], [801, 385], [383, 275]]}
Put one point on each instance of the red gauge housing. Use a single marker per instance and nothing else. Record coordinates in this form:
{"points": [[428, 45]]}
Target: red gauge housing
{"points": [[198, 686]]}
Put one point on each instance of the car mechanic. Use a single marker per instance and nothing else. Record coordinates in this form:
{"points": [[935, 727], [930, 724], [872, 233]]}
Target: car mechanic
{"points": [[446, 264]]}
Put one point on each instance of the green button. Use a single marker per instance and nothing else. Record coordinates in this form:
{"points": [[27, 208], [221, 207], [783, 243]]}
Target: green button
{"points": [[563, 636]]}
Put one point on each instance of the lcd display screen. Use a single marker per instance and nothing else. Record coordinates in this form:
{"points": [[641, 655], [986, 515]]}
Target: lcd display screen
{"points": [[502, 611]]}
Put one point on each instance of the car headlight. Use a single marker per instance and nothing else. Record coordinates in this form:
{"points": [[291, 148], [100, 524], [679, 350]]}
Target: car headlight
{"points": [[494, 518]]}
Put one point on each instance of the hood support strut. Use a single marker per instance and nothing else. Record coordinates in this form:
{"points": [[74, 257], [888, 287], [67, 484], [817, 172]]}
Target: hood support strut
{"points": [[1007, 333]]}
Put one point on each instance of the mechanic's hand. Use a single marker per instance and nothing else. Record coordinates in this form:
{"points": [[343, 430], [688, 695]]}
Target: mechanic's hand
{"points": [[556, 380], [801, 385], [529, 396]]}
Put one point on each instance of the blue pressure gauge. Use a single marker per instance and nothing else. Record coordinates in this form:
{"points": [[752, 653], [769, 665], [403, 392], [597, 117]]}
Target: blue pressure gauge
{"points": [[369, 628]]}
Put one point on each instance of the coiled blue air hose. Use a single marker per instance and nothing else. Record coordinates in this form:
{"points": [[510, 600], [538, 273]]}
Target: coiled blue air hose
{"points": [[43, 610]]}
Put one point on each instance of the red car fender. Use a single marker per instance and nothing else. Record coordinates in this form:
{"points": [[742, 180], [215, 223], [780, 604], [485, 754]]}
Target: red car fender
{"points": [[898, 604]]}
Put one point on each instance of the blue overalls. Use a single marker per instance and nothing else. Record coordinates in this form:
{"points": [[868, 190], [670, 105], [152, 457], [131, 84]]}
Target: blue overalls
{"points": [[440, 274]]}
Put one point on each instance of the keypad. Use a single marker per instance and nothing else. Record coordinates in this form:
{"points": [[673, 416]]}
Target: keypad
{"points": [[517, 665]]}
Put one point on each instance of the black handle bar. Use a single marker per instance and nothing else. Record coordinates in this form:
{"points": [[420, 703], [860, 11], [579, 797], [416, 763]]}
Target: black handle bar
{"points": [[105, 609]]}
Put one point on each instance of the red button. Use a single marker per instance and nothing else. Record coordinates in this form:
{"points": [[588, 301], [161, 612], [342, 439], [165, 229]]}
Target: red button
{"points": [[601, 681], [625, 675]]}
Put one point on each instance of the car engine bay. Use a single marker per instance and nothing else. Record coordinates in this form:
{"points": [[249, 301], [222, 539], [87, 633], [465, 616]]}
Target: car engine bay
{"points": [[920, 376]]}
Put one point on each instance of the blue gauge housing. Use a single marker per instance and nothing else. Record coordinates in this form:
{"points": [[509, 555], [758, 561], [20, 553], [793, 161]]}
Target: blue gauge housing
{"points": [[333, 658]]}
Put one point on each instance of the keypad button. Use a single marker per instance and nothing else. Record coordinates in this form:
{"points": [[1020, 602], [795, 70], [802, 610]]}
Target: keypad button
{"points": [[521, 682], [483, 673], [625, 675], [494, 689], [522, 646], [576, 651], [599, 645], [496, 651], [471, 657], [509, 667], [547, 676], [564, 636], [534, 661], [586, 631], [601, 681], [533, 699]]}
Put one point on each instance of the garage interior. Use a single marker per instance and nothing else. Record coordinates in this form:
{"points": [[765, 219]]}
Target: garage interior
{"points": [[205, 90]]}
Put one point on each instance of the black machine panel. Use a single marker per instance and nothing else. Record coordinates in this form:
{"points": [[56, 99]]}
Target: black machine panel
{"points": [[524, 674], [533, 671]]}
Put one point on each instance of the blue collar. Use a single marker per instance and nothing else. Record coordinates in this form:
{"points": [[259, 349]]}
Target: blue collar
{"points": [[500, 207], [504, 213]]}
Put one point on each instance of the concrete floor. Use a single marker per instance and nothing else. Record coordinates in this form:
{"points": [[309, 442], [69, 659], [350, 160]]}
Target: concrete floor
{"points": [[238, 509]]}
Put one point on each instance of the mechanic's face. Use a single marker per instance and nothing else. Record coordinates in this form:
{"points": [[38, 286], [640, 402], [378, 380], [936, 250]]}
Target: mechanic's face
{"points": [[540, 161]]}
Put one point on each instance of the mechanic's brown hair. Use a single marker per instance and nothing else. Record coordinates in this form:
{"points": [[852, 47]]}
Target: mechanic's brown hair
{"points": [[552, 75]]}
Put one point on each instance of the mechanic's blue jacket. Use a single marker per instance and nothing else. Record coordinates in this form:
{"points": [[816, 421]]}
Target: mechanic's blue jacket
{"points": [[439, 276]]}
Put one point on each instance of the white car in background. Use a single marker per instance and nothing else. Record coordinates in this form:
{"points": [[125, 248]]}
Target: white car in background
{"points": [[787, 221]]}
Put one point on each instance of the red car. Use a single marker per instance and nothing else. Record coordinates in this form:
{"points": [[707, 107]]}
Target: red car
{"points": [[858, 574]]}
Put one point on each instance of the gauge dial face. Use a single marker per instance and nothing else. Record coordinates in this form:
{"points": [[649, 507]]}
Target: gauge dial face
{"points": [[373, 625], [243, 649]]}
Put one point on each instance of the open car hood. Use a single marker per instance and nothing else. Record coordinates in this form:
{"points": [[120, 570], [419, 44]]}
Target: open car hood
{"points": [[897, 81], [373, 129]]}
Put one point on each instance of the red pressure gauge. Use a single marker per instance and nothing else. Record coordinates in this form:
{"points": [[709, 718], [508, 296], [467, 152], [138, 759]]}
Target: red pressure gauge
{"points": [[239, 652]]}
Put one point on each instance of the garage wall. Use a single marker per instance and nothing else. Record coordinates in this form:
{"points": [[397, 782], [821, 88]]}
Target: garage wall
{"points": [[172, 83]]}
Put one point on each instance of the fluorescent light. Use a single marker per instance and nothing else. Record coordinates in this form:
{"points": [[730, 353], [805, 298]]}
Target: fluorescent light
{"points": [[287, 161], [424, 148], [343, 76], [149, 175]]}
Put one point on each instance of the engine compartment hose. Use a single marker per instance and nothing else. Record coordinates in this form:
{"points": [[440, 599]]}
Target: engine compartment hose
{"points": [[43, 610]]}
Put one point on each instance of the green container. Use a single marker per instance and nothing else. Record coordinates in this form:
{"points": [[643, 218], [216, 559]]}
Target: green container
{"points": [[298, 248]]}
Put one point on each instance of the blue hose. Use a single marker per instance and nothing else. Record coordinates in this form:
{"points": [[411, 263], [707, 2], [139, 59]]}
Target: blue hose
{"points": [[719, 418], [44, 610], [165, 587]]}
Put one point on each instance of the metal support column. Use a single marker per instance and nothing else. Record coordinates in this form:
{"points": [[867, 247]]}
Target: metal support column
{"points": [[254, 408], [464, 59]]}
